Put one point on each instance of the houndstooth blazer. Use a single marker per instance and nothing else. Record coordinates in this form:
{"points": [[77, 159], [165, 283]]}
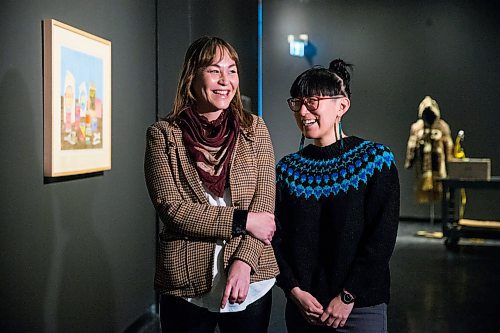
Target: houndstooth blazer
{"points": [[191, 225]]}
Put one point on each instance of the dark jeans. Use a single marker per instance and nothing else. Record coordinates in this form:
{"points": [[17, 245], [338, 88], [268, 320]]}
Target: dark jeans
{"points": [[370, 319], [179, 316]]}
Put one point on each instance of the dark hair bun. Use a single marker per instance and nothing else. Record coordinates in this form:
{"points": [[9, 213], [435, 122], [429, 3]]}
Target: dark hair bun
{"points": [[342, 69]]}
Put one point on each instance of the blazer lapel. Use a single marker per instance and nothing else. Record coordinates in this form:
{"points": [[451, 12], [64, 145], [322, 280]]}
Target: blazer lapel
{"points": [[187, 166], [238, 174]]}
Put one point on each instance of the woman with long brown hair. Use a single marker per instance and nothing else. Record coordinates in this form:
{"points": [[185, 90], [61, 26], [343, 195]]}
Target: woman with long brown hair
{"points": [[210, 173]]}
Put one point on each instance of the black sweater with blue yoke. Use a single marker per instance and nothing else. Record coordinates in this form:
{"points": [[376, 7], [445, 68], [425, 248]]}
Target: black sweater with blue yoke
{"points": [[337, 215]]}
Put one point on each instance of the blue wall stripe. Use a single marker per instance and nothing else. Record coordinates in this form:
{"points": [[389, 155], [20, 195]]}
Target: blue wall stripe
{"points": [[259, 66]]}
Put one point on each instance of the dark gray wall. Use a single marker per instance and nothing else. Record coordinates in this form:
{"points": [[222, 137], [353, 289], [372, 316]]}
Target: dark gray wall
{"points": [[234, 21], [402, 51], [76, 256]]}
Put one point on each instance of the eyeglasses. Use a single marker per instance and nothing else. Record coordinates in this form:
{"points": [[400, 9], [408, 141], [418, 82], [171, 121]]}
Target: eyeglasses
{"points": [[311, 103]]}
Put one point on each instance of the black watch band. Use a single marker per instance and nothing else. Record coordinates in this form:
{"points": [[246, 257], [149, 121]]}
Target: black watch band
{"points": [[346, 298]]}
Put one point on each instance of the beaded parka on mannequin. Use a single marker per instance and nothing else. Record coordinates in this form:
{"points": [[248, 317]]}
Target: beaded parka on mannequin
{"points": [[429, 148]]}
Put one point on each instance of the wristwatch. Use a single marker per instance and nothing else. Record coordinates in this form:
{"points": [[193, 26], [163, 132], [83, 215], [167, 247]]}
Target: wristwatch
{"points": [[346, 298]]}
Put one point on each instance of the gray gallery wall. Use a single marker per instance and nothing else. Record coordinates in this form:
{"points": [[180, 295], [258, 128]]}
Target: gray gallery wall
{"points": [[402, 51], [76, 256]]}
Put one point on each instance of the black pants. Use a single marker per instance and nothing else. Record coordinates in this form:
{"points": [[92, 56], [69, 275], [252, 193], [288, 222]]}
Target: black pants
{"points": [[370, 319], [179, 316]]}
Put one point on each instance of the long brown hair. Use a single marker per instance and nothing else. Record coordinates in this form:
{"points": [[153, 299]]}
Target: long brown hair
{"points": [[200, 55]]}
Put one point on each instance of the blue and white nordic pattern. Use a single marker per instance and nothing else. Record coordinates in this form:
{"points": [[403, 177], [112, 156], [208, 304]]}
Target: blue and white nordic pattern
{"points": [[306, 177]]}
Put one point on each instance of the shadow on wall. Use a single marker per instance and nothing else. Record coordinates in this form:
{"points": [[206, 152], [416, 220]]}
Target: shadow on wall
{"points": [[82, 278], [27, 227]]}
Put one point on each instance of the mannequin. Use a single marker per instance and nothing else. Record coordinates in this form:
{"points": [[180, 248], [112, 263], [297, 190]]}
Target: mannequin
{"points": [[429, 148]]}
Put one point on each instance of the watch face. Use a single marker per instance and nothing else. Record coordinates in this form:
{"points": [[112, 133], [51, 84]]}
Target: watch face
{"points": [[346, 298]]}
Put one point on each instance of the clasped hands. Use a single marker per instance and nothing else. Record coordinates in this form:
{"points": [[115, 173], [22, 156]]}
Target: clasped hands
{"points": [[335, 315]]}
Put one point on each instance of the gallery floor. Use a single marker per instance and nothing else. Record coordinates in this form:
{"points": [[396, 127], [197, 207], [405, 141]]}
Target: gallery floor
{"points": [[433, 289]]}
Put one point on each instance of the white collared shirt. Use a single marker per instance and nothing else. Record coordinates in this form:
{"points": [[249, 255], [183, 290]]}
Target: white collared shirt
{"points": [[212, 300]]}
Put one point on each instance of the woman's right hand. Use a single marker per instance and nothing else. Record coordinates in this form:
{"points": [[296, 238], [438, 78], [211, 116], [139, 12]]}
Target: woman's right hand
{"points": [[261, 226], [308, 305]]}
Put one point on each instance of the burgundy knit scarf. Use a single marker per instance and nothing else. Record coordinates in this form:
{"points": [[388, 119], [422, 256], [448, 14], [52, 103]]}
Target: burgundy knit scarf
{"points": [[211, 145]]}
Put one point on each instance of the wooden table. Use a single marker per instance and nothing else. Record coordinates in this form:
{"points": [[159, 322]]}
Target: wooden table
{"points": [[455, 228]]}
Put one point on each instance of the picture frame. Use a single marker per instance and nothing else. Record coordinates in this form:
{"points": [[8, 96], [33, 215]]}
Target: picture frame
{"points": [[77, 101]]}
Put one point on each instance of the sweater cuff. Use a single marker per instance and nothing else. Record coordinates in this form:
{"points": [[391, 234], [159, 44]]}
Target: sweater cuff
{"points": [[240, 222], [286, 283], [352, 288]]}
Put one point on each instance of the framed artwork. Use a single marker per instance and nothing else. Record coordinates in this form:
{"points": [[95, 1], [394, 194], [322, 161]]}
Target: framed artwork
{"points": [[77, 101]]}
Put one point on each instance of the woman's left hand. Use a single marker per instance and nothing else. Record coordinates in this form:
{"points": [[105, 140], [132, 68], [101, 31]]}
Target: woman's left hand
{"points": [[336, 313], [238, 281]]}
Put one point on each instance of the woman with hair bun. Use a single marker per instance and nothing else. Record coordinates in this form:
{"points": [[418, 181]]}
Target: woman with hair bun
{"points": [[337, 210]]}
